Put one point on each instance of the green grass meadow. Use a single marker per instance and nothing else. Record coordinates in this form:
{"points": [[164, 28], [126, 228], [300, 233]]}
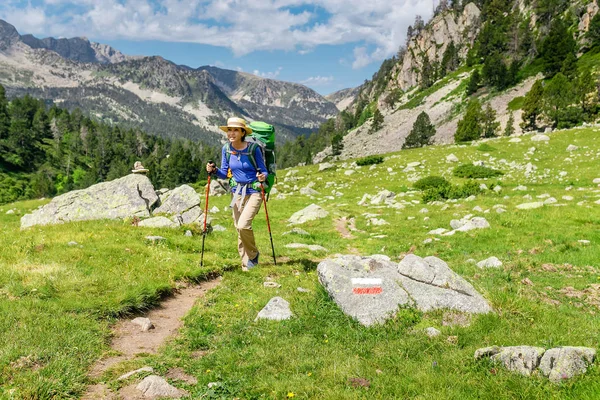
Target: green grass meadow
{"points": [[58, 301]]}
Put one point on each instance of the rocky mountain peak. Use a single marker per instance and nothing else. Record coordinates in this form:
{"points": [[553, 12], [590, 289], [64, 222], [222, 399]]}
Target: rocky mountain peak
{"points": [[8, 35]]}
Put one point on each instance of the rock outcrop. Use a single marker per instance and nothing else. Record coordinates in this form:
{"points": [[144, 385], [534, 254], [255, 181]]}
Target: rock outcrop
{"points": [[371, 289], [132, 195]]}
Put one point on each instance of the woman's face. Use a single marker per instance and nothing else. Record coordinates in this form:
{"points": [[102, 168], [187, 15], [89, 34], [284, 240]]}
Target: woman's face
{"points": [[235, 134]]}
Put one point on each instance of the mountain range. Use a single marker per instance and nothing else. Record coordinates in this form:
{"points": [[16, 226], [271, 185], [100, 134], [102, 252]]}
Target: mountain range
{"points": [[152, 93]]}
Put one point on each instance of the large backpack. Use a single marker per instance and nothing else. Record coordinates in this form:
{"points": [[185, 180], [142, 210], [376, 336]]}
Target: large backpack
{"points": [[263, 136]]}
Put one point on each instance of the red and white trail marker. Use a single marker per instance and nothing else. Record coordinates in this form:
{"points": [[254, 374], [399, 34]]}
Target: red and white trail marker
{"points": [[366, 285]]}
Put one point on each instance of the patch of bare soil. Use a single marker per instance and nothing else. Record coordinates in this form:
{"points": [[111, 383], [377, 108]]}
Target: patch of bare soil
{"points": [[129, 340], [342, 228]]}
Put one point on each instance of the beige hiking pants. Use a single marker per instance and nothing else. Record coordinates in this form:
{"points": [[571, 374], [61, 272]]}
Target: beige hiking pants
{"points": [[243, 223]]}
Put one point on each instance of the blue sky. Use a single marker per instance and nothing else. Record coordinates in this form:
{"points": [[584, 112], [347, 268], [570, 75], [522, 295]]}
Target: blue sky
{"points": [[327, 45]]}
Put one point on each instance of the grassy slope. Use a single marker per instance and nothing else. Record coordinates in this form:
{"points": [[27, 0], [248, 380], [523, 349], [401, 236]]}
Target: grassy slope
{"points": [[63, 323]]}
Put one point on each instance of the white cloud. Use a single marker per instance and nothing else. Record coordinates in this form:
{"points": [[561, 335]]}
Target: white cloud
{"points": [[270, 75], [244, 26], [317, 81]]}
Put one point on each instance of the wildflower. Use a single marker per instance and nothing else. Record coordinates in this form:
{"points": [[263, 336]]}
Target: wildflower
{"points": [[291, 394], [309, 373]]}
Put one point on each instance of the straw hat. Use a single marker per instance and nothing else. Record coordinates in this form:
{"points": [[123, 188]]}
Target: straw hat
{"points": [[235, 122], [138, 168]]}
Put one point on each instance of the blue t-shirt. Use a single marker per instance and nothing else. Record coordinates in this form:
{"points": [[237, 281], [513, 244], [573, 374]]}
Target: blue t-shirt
{"points": [[241, 166]]}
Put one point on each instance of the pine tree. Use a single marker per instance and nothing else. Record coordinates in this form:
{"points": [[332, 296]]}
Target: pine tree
{"points": [[473, 84], [557, 97], [4, 118], [556, 47], [569, 66], [469, 128], [421, 133], [427, 73], [532, 106], [586, 91], [494, 72], [450, 60], [488, 121], [337, 145], [509, 130], [377, 121]]}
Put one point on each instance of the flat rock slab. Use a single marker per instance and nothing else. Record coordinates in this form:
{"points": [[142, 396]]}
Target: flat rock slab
{"points": [[557, 364], [309, 213], [371, 289], [563, 363], [277, 309], [132, 195]]}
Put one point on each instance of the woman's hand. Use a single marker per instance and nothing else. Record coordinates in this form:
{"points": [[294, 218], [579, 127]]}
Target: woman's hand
{"points": [[211, 168], [261, 177]]}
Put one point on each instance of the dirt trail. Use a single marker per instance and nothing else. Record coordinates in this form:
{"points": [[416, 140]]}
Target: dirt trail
{"points": [[129, 340]]}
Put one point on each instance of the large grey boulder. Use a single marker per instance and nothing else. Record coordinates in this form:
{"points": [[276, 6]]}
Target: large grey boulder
{"points": [[309, 213], [154, 386], [178, 201], [132, 195], [433, 285], [219, 187], [565, 362], [371, 289], [521, 359]]}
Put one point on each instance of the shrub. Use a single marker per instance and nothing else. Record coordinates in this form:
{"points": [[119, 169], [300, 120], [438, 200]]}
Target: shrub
{"points": [[469, 188], [369, 160], [431, 182], [444, 192], [475, 171], [485, 147]]}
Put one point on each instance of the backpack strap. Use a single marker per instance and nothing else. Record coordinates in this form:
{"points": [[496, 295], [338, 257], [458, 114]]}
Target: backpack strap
{"points": [[249, 152]]}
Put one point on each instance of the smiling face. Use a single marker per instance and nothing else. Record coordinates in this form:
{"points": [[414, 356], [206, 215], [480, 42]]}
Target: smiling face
{"points": [[235, 135]]}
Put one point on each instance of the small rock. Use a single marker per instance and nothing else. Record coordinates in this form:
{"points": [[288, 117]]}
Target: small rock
{"points": [[583, 242], [156, 386], [277, 309], [563, 363], [540, 138], [72, 243], [596, 181], [522, 359], [432, 332], [530, 206], [10, 211], [188, 233], [214, 210], [451, 158], [271, 285], [492, 262], [155, 238], [572, 147], [527, 282], [219, 228], [297, 231], [144, 323], [137, 371], [302, 290]]}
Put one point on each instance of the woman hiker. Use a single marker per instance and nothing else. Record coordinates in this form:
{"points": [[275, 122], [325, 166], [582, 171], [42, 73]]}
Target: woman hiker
{"points": [[246, 192]]}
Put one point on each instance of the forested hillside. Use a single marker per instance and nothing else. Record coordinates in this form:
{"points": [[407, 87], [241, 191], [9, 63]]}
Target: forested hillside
{"points": [[485, 49], [45, 152]]}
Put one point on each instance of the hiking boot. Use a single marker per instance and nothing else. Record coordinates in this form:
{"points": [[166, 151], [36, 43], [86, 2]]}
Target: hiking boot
{"points": [[253, 263]]}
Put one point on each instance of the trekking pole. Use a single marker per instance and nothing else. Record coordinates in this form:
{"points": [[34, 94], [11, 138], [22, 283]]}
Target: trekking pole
{"points": [[262, 188], [205, 216]]}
